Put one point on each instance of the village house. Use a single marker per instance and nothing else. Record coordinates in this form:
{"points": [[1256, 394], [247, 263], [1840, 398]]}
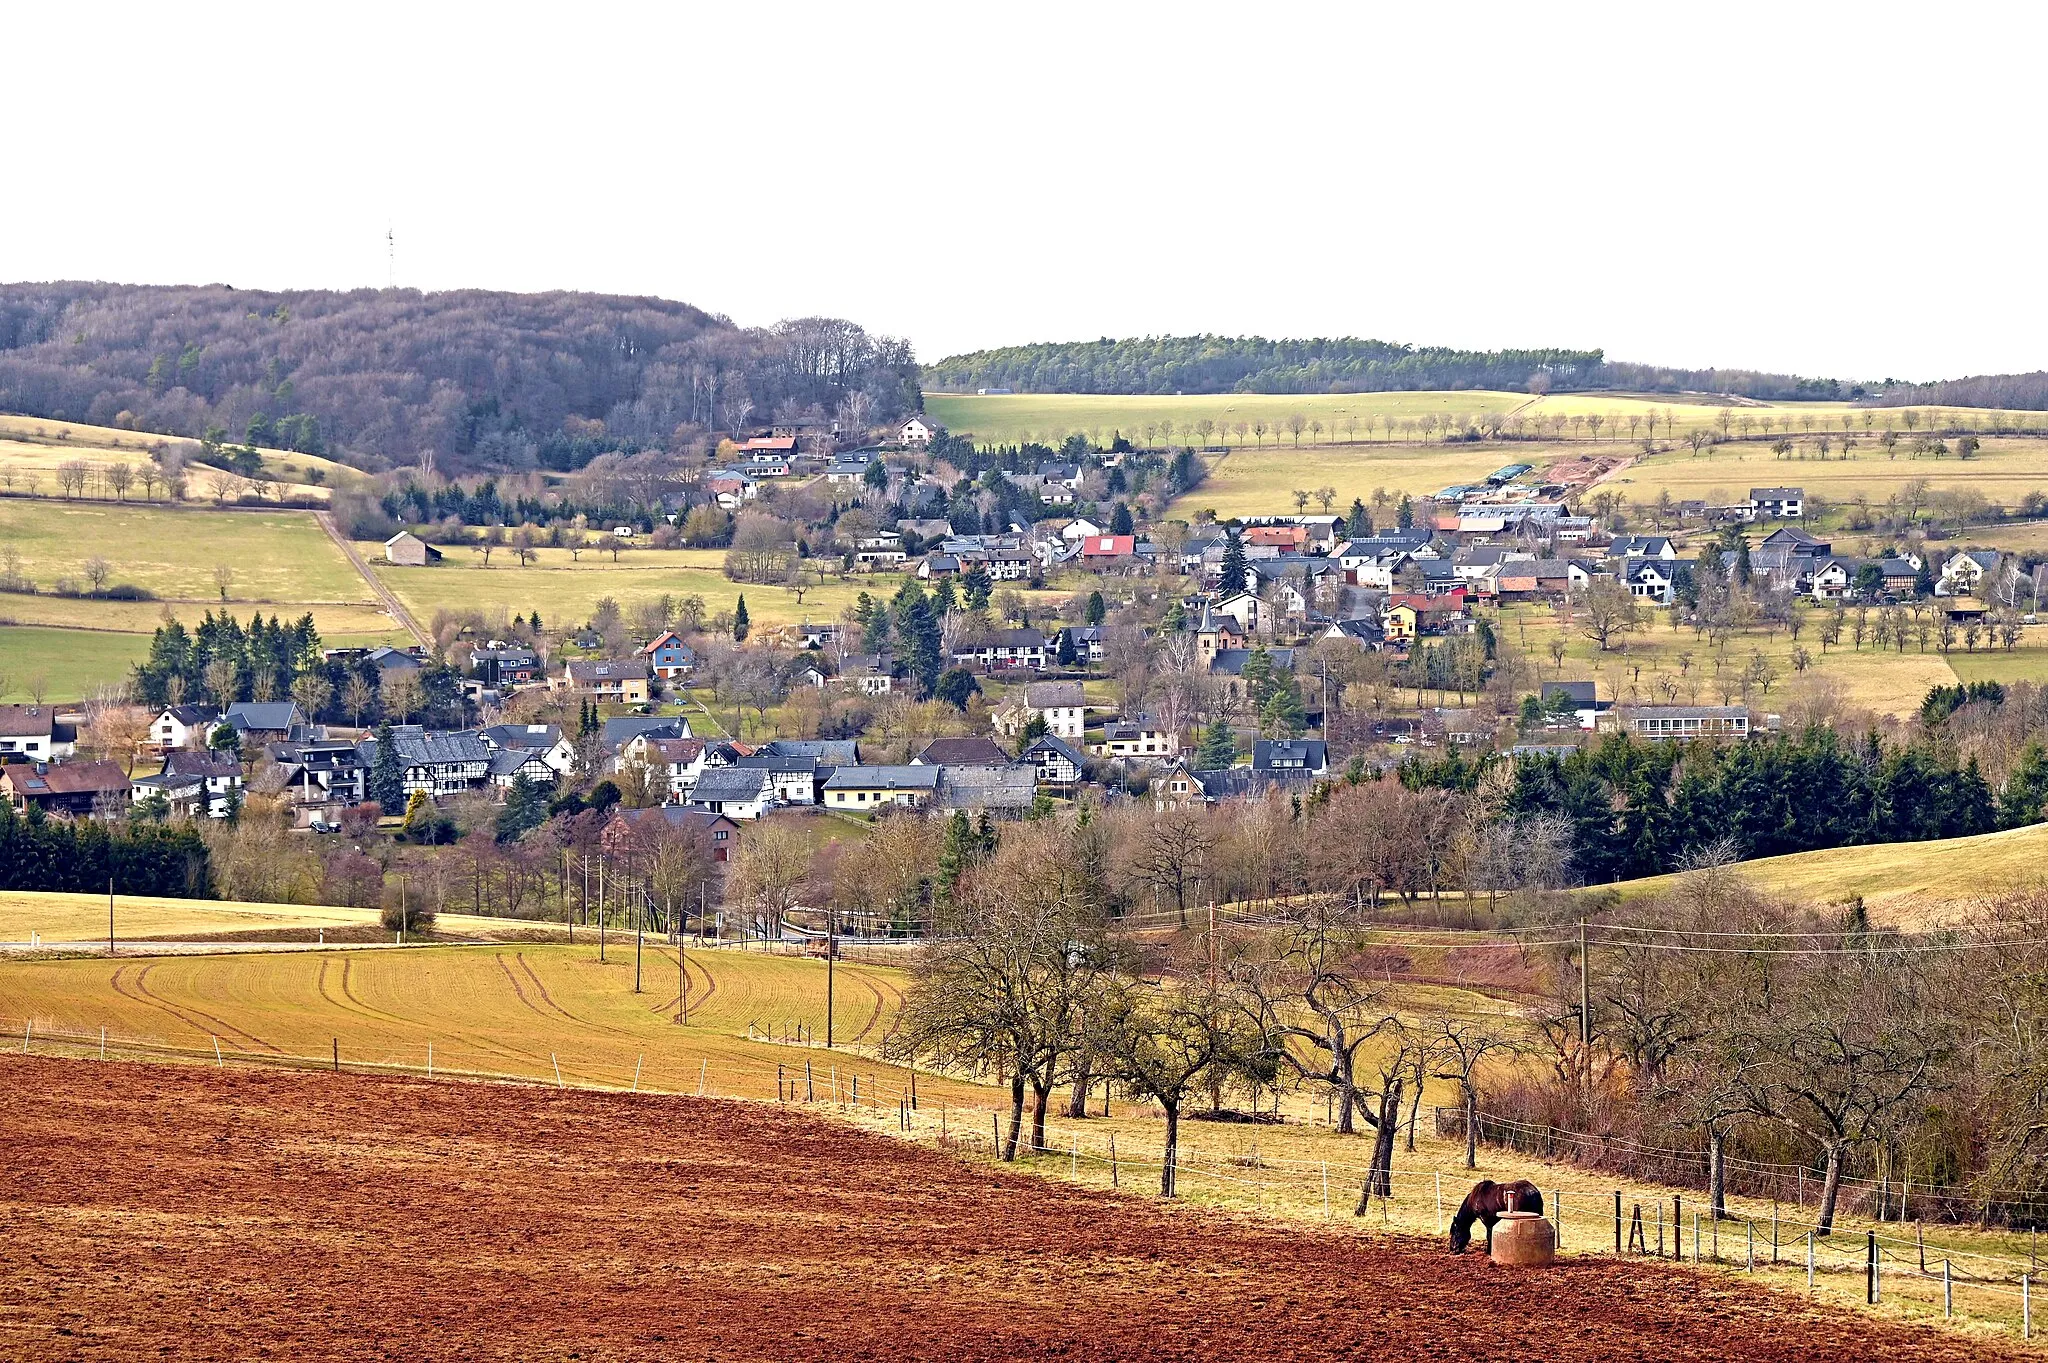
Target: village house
{"points": [[667, 656], [792, 779], [1650, 579], [1063, 705], [548, 740], [323, 776], [503, 666], [74, 789], [1685, 721], [620, 680], [434, 763], [33, 732], [1089, 642], [1010, 790], [1004, 648], [266, 721], [865, 789], [1775, 503], [509, 764], [194, 783], [639, 831], [735, 792], [1310, 755], [1577, 699], [961, 752], [1967, 572], [1058, 762], [1137, 736], [176, 726], [919, 430]]}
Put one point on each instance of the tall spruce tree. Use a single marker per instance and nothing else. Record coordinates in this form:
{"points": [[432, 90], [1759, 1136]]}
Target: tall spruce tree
{"points": [[1235, 574], [387, 775]]}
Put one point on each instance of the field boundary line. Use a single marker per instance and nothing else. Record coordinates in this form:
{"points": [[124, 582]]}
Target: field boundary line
{"points": [[383, 593]]}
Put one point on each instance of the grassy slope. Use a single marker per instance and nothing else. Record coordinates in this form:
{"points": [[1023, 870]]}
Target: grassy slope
{"points": [[1887, 683], [284, 565], [37, 445], [1049, 417], [2006, 470], [1909, 884], [565, 591], [70, 662]]}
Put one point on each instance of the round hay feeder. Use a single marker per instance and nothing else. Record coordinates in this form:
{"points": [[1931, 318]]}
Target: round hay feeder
{"points": [[1524, 1240]]}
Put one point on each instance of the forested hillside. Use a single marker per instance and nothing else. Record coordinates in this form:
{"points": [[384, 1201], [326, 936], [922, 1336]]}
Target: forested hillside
{"points": [[478, 379], [1253, 364], [2006, 392]]}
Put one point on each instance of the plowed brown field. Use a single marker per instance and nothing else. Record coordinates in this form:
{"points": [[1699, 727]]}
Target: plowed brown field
{"points": [[176, 1213]]}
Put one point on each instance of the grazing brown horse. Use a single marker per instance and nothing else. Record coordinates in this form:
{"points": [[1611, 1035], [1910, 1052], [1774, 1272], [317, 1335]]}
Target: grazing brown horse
{"points": [[1486, 1202]]}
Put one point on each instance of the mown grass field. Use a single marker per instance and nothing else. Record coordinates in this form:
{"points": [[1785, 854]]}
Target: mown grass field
{"points": [[283, 565], [71, 663], [565, 591], [1912, 885], [278, 557]]}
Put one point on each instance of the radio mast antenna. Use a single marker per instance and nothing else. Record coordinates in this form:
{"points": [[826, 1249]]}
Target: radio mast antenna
{"points": [[391, 256]]}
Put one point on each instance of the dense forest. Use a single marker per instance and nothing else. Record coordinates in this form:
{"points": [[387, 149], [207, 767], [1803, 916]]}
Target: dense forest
{"points": [[1253, 364], [474, 378], [2004, 392]]}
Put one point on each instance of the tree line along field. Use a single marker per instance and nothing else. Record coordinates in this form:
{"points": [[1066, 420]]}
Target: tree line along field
{"points": [[1353, 418]]}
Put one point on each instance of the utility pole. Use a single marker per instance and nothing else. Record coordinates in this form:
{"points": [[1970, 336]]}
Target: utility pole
{"points": [[1585, 1000], [600, 910], [1212, 943], [831, 951], [639, 936], [568, 918], [110, 913], [682, 976]]}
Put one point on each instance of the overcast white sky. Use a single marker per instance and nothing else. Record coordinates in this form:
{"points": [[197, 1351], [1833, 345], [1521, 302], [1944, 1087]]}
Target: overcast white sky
{"points": [[1850, 191]]}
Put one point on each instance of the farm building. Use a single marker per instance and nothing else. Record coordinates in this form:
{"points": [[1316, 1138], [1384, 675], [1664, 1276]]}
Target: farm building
{"points": [[410, 551]]}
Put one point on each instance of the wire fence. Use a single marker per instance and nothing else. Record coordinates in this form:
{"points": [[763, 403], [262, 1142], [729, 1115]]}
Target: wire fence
{"points": [[1786, 1249]]}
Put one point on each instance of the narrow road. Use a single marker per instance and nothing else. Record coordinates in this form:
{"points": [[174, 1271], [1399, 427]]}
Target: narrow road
{"points": [[392, 605]]}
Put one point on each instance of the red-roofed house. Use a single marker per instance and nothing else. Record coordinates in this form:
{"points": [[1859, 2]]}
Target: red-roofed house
{"points": [[1103, 548]]}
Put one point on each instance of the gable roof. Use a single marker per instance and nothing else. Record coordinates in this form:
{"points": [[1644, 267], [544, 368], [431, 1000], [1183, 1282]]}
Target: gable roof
{"points": [[838, 752], [1055, 695], [884, 778], [1052, 743], [1311, 753], [620, 731], [29, 721], [266, 715], [983, 752], [65, 778], [730, 783]]}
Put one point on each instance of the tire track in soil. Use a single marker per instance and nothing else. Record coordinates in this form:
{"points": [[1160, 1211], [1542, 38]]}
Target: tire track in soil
{"points": [[142, 986], [873, 1017], [696, 1000], [351, 1003], [548, 999]]}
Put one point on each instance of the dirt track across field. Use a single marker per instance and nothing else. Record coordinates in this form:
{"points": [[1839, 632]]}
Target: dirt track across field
{"points": [[178, 1213]]}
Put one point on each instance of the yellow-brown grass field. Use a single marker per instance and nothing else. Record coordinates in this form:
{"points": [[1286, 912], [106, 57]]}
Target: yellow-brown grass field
{"points": [[1913, 885], [1636, 667], [564, 590], [2005, 470], [32, 448]]}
